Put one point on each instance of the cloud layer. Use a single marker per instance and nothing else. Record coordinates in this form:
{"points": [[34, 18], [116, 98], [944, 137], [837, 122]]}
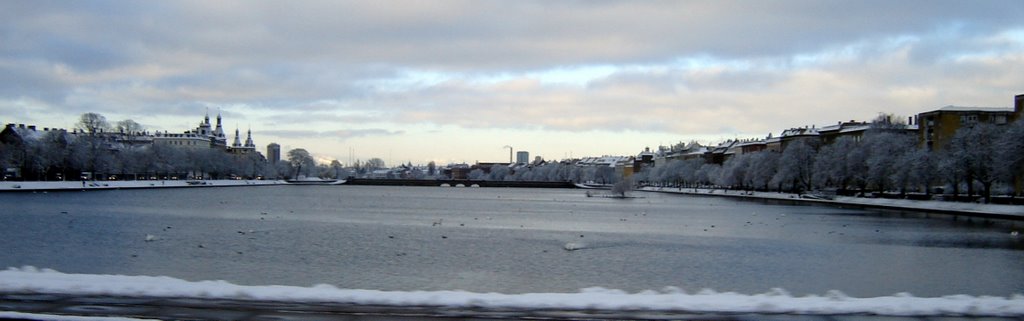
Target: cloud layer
{"points": [[356, 70]]}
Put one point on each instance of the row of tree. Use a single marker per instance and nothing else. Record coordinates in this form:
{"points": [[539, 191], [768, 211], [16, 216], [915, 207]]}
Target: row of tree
{"points": [[979, 160], [982, 156], [884, 159], [96, 149]]}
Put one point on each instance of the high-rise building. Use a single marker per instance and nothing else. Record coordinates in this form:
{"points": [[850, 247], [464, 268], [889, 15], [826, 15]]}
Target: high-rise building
{"points": [[273, 153], [523, 157]]}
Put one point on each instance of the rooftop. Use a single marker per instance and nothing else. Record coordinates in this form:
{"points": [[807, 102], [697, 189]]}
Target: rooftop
{"points": [[981, 109]]}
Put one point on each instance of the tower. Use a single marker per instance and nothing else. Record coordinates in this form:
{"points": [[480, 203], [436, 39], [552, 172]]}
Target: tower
{"points": [[273, 153], [248, 140], [522, 157], [204, 128], [218, 132], [237, 143]]}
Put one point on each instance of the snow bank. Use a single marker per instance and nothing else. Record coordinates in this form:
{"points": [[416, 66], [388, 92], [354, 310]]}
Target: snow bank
{"points": [[33, 280]]}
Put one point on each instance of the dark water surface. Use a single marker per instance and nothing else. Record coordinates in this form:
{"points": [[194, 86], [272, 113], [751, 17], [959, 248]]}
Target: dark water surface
{"points": [[505, 240]]}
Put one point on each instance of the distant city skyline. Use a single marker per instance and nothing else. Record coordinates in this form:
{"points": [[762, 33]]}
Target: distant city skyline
{"points": [[456, 81]]}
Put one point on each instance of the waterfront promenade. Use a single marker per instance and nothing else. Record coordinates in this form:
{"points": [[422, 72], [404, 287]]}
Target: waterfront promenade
{"points": [[1012, 212], [40, 186]]}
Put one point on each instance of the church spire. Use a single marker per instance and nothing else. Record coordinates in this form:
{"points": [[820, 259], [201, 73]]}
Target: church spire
{"points": [[248, 139], [219, 132], [237, 142]]}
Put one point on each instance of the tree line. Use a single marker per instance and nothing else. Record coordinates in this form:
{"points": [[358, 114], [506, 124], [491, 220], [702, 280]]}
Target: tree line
{"points": [[100, 150], [980, 159]]}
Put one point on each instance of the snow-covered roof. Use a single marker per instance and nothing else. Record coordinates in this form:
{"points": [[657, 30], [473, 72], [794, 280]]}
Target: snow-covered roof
{"points": [[978, 109], [610, 161], [801, 131], [856, 128]]}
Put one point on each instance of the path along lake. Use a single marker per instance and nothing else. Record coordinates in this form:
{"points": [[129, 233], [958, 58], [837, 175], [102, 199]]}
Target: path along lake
{"points": [[506, 240]]}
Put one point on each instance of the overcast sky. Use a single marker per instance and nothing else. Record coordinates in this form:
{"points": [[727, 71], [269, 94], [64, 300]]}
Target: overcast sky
{"points": [[455, 81]]}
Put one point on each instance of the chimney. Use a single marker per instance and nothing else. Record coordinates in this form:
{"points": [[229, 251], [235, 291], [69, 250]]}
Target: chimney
{"points": [[32, 127], [22, 126], [910, 121], [1018, 104]]}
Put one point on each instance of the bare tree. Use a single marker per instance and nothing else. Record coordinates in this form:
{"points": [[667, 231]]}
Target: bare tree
{"points": [[302, 161], [623, 187], [92, 123], [374, 164], [130, 129]]}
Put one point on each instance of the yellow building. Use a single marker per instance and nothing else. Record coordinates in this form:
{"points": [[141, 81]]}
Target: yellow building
{"points": [[937, 127]]}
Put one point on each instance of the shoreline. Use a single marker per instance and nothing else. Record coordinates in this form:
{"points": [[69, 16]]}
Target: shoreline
{"points": [[993, 211], [56, 186]]}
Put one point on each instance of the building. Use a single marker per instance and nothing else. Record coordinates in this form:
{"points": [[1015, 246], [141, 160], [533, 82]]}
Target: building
{"points": [[643, 160], [522, 157], [937, 127], [679, 151], [200, 137], [238, 148], [806, 134], [273, 153], [854, 129]]}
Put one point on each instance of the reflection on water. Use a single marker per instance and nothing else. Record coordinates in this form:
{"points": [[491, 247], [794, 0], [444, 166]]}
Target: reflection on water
{"points": [[506, 240]]}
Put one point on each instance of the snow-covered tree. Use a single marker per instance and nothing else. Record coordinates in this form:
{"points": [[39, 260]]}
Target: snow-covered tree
{"points": [[796, 165], [884, 148], [498, 173], [704, 174], [972, 149], [832, 165], [917, 168], [733, 172], [763, 167], [1010, 155], [476, 174]]}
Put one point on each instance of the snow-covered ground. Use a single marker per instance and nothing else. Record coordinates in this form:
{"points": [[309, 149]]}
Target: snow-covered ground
{"points": [[95, 185], [965, 208], [33, 280]]}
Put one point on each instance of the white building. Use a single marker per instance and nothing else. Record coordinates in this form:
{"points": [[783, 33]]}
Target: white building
{"points": [[201, 137]]}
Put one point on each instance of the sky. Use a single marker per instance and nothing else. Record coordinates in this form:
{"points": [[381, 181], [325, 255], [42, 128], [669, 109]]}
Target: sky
{"points": [[458, 81]]}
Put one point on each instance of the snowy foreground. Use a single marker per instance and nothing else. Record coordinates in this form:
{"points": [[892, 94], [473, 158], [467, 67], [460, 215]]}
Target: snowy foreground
{"points": [[965, 208], [100, 185], [33, 280]]}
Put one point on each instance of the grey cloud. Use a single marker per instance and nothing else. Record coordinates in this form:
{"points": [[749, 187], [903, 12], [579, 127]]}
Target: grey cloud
{"points": [[478, 35], [172, 57], [298, 116], [336, 134]]}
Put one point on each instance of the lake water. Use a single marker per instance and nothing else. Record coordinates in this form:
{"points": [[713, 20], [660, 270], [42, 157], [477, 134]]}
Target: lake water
{"points": [[506, 240]]}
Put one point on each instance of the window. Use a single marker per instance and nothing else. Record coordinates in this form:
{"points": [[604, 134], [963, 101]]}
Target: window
{"points": [[965, 119]]}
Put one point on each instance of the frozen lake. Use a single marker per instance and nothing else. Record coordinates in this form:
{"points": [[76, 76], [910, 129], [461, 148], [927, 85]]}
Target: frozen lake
{"points": [[505, 240]]}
